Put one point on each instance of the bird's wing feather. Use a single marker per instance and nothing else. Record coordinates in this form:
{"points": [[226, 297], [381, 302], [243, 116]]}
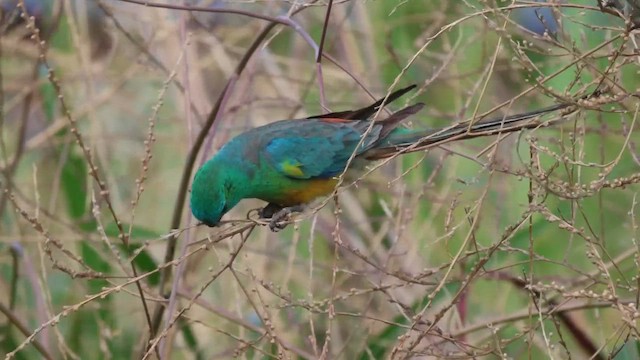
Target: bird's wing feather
{"points": [[368, 111], [317, 148]]}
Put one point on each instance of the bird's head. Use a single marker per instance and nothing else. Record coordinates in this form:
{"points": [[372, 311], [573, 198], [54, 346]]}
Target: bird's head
{"points": [[212, 193]]}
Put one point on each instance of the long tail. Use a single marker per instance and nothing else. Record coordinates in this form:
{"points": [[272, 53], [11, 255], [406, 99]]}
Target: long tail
{"points": [[400, 139]]}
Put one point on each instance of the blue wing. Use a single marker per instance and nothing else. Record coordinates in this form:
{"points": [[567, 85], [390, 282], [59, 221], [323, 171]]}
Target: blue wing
{"points": [[317, 148]]}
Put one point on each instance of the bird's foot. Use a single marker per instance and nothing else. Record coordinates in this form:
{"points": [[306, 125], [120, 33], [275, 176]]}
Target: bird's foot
{"points": [[268, 211], [279, 215]]}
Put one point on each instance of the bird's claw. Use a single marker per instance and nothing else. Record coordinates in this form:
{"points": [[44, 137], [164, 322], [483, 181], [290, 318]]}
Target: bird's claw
{"points": [[280, 219], [279, 216], [269, 211]]}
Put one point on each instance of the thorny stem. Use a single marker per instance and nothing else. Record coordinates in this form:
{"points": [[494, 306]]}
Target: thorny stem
{"points": [[93, 170], [26, 108]]}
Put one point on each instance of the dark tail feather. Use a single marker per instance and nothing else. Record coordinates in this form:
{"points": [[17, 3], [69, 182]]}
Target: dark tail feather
{"points": [[390, 123], [366, 112], [419, 139]]}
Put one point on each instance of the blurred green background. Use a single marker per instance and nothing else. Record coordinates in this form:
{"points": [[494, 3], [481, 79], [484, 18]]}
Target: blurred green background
{"points": [[519, 246]]}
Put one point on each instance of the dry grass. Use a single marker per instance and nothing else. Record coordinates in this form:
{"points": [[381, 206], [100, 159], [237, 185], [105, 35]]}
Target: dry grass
{"points": [[519, 246]]}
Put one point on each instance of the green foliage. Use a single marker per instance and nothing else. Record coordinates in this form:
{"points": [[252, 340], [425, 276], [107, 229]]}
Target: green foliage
{"points": [[74, 185]]}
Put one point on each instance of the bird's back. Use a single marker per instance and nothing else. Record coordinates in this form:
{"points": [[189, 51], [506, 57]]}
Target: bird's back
{"points": [[290, 162]]}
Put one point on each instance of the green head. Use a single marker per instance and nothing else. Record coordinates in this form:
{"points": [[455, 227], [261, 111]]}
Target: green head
{"points": [[213, 192]]}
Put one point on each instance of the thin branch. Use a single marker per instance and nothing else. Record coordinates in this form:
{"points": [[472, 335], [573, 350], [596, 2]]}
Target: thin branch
{"points": [[13, 319], [188, 168], [272, 19], [93, 169], [325, 26]]}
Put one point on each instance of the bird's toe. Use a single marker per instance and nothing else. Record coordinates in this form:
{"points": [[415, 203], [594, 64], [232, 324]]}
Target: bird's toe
{"points": [[280, 219], [269, 211]]}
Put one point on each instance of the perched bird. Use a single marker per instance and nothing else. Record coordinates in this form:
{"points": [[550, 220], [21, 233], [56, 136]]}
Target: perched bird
{"points": [[290, 163]]}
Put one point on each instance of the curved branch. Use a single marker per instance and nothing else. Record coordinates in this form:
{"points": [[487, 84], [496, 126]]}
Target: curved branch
{"points": [[188, 168]]}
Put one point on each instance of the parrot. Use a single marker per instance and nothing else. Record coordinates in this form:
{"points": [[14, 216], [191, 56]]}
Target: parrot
{"points": [[290, 163]]}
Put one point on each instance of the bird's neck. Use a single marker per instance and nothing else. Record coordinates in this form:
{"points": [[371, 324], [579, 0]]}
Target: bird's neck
{"points": [[236, 179]]}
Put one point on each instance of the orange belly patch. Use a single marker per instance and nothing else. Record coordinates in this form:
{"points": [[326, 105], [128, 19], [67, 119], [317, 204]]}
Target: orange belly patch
{"points": [[311, 190]]}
